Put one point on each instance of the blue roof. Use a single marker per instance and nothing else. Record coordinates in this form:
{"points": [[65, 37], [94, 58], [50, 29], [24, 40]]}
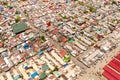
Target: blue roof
{"points": [[30, 46], [30, 79], [27, 57], [67, 1], [1, 8], [65, 65], [26, 46], [5, 55], [26, 67], [17, 77], [33, 0], [5, 16], [34, 74], [48, 49]]}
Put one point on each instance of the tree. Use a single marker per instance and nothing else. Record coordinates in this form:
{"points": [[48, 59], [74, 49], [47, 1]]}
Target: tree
{"points": [[74, 27], [119, 9], [75, 16], [51, 72], [74, 0], [64, 17], [114, 2], [82, 32], [23, 0], [56, 68], [17, 12], [85, 11], [5, 3], [92, 39], [25, 11], [17, 19], [92, 9], [67, 58], [81, 3], [0, 71], [42, 38], [79, 39], [1, 14]]}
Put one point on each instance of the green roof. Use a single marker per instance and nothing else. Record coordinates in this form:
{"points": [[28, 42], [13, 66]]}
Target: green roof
{"points": [[43, 76], [71, 40], [56, 73], [32, 39], [45, 67], [19, 27]]}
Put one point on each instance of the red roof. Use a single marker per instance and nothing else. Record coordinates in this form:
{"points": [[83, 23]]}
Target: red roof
{"points": [[118, 56], [113, 65], [82, 24], [1, 45], [48, 23], [112, 72], [59, 19], [1, 61], [99, 36], [62, 53], [76, 21], [1, 17], [64, 39], [55, 31], [116, 62], [108, 76]]}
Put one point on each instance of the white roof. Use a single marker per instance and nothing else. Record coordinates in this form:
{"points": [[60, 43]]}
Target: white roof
{"points": [[9, 76], [92, 55]]}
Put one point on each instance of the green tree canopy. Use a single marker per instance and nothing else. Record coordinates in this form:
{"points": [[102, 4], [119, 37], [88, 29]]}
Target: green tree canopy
{"points": [[17, 19], [43, 38], [91, 8]]}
